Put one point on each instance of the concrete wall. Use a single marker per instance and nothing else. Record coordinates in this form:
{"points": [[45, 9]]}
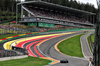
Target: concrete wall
{"points": [[14, 57]]}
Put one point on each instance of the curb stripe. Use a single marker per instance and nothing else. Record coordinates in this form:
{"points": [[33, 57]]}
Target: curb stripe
{"points": [[17, 36], [38, 43], [53, 60], [37, 51], [22, 43], [63, 53], [46, 40], [29, 50]]}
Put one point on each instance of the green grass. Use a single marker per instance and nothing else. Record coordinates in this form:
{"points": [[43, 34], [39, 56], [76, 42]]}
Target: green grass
{"points": [[93, 37], [89, 43], [8, 35], [30, 61], [71, 46]]}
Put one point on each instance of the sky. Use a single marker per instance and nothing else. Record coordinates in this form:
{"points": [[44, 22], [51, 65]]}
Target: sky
{"points": [[85, 1], [89, 1]]}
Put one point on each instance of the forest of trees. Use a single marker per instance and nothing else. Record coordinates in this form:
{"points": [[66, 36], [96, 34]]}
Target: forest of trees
{"points": [[73, 4], [8, 7], [8, 10]]}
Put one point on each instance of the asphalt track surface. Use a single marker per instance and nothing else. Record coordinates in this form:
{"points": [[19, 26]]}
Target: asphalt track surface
{"points": [[46, 33], [47, 49], [50, 51], [31, 46], [86, 50]]}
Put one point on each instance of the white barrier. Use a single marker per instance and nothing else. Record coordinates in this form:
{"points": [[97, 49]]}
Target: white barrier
{"points": [[13, 57]]}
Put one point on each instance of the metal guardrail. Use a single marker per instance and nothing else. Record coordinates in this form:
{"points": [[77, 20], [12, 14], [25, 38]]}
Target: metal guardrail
{"points": [[20, 50], [90, 42]]}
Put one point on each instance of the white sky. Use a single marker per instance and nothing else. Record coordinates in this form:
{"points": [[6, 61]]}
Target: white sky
{"points": [[85, 1], [89, 1]]}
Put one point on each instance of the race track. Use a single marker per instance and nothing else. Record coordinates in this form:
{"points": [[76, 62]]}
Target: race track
{"points": [[44, 46], [50, 51]]}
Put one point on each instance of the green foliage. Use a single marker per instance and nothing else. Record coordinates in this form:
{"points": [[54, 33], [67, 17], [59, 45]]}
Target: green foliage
{"points": [[93, 37], [74, 4], [71, 46], [7, 9], [89, 43]]}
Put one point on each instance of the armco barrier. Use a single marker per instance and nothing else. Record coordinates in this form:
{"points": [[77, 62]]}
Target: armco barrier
{"points": [[20, 50], [90, 42]]}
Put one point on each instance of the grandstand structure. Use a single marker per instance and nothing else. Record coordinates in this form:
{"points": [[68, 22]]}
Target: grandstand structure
{"points": [[52, 16]]}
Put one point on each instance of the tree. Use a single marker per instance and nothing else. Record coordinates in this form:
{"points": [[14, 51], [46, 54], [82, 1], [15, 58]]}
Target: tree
{"points": [[63, 2], [7, 7]]}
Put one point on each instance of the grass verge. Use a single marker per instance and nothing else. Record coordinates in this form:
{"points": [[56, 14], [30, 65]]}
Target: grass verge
{"points": [[89, 43], [71, 46], [92, 37], [30, 61]]}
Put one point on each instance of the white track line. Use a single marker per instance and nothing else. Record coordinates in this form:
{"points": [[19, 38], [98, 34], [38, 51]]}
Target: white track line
{"points": [[83, 51], [68, 55]]}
